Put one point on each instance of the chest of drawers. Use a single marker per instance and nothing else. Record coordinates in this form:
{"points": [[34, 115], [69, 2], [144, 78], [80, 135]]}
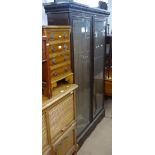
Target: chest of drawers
{"points": [[57, 52], [59, 122]]}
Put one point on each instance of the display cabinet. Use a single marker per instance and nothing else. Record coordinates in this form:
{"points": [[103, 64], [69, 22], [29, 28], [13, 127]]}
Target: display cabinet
{"points": [[88, 50]]}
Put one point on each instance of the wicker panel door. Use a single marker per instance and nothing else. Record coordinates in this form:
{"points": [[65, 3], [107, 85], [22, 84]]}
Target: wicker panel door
{"points": [[66, 144], [61, 116]]}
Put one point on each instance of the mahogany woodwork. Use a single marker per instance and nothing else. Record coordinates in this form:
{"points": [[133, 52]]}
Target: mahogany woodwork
{"points": [[46, 90]]}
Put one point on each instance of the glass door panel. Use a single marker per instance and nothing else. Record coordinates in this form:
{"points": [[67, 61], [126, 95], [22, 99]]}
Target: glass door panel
{"points": [[81, 37], [99, 47]]}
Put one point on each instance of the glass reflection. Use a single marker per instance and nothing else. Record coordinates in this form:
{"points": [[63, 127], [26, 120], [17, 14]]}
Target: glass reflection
{"points": [[81, 35], [98, 66]]}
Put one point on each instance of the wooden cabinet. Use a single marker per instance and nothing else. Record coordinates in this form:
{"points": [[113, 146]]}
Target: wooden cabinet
{"points": [[59, 122], [88, 54], [56, 57]]}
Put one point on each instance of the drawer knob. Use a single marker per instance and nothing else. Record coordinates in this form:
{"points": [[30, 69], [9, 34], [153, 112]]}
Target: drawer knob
{"points": [[54, 73], [52, 36], [66, 69], [65, 58], [53, 49], [65, 47], [59, 47], [60, 36], [62, 130], [53, 61], [65, 35]]}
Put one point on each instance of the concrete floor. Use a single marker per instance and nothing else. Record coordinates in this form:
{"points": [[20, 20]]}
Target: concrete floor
{"points": [[100, 140]]}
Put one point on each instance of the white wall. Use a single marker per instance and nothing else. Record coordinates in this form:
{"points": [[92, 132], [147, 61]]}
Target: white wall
{"points": [[44, 16], [110, 17], [91, 3]]}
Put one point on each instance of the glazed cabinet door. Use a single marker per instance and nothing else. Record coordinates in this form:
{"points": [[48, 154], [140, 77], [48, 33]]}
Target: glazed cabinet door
{"points": [[98, 78], [81, 43]]}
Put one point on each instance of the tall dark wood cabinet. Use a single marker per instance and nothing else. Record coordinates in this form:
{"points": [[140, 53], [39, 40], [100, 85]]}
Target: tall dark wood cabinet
{"points": [[88, 46]]}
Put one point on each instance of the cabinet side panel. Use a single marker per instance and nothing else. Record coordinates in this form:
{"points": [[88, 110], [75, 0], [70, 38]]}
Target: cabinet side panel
{"points": [[44, 132]]}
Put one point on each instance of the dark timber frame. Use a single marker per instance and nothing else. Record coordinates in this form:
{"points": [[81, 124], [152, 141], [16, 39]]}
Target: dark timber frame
{"points": [[63, 14]]}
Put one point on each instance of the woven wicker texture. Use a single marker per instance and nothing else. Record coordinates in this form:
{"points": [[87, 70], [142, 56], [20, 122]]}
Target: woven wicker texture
{"points": [[44, 132], [61, 115]]}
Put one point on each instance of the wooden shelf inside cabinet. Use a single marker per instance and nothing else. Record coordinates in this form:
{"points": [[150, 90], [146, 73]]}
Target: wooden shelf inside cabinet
{"points": [[108, 87], [108, 67]]}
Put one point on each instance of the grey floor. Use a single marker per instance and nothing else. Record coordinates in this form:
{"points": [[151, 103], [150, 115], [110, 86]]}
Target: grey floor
{"points": [[100, 140]]}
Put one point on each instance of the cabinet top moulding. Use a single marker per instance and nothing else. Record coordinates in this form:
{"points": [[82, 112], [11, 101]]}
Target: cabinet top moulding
{"points": [[73, 6], [48, 102]]}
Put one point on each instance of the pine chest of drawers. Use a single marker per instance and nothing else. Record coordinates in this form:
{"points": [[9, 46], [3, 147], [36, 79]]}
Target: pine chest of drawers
{"points": [[59, 122], [57, 52]]}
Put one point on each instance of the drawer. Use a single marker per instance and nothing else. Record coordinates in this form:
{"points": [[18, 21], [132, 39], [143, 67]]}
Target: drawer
{"points": [[66, 144], [60, 58], [60, 47], [44, 133], [61, 115], [61, 70], [58, 35]]}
